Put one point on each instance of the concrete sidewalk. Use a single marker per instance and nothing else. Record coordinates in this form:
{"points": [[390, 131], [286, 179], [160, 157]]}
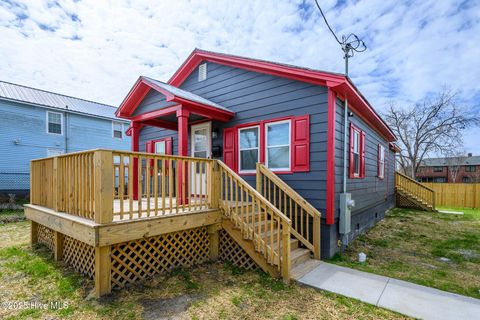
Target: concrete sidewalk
{"points": [[400, 296]]}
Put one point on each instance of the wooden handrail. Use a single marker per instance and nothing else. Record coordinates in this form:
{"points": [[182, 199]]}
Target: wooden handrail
{"points": [[414, 181], [416, 189], [258, 219], [257, 194], [308, 235]]}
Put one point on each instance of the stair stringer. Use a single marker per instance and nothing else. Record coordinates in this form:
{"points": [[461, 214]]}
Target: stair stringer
{"points": [[249, 248]]}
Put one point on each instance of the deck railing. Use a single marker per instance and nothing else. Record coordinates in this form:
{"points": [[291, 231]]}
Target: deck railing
{"points": [[305, 218], [416, 189], [65, 183], [257, 219], [167, 184], [106, 186]]}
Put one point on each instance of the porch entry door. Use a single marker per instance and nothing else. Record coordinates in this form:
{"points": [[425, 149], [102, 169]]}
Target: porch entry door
{"points": [[201, 147]]}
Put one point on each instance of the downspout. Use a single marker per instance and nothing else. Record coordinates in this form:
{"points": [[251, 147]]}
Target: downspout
{"points": [[66, 130]]}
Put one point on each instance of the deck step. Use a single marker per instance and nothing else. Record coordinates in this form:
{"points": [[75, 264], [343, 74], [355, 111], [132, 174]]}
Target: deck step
{"points": [[302, 269], [298, 256]]}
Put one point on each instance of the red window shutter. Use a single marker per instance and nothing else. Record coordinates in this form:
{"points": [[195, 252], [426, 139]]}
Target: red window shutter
{"points": [[229, 142], [301, 143], [362, 150], [148, 147], [351, 169]]}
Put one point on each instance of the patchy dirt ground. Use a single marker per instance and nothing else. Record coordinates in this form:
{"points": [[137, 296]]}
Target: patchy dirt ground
{"points": [[432, 249], [210, 291]]}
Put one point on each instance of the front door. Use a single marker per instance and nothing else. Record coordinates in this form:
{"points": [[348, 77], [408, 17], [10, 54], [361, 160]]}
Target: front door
{"points": [[201, 138]]}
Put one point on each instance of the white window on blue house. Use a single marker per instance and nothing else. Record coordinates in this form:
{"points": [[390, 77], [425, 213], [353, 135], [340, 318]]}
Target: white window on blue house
{"points": [[52, 152], [54, 122], [249, 142], [117, 130], [278, 145]]}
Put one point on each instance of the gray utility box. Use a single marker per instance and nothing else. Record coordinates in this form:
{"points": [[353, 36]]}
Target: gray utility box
{"points": [[346, 205]]}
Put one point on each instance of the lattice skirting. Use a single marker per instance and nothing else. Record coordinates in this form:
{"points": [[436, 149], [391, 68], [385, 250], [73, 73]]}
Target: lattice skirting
{"points": [[80, 256], [45, 236], [404, 202], [142, 258], [231, 251]]}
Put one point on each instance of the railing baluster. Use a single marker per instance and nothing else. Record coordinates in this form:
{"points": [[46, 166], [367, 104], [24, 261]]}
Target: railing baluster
{"points": [[171, 187], [162, 177], [155, 185], [139, 183], [130, 186], [121, 185]]}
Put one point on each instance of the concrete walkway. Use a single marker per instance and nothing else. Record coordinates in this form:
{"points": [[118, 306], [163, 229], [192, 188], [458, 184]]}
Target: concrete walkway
{"points": [[400, 296]]}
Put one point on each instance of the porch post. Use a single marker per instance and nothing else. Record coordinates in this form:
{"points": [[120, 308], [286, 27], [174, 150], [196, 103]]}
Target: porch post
{"points": [[182, 116], [135, 139]]}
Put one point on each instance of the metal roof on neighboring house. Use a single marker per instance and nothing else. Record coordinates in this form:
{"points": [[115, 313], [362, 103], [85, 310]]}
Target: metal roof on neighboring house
{"points": [[184, 94], [20, 93], [439, 162]]}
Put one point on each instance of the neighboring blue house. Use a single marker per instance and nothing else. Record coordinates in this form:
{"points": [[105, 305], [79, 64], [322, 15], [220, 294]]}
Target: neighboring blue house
{"points": [[37, 123]]}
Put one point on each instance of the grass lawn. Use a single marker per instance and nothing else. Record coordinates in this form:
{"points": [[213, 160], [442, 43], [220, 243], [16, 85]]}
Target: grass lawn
{"points": [[412, 245], [211, 291]]}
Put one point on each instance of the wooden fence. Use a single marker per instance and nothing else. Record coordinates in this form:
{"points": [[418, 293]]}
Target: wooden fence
{"points": [[462, 195]]}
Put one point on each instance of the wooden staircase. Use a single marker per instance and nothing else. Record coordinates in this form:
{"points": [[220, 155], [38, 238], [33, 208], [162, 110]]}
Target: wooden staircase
{"points": [[413, 194], [263, 227]]}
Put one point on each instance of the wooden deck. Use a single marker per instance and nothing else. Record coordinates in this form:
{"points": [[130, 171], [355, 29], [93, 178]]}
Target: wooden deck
{"points": [[84, 206]]}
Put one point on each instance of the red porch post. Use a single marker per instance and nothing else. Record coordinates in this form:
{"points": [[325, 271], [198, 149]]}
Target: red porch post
{"points": [[182, 188], [135, 138]]}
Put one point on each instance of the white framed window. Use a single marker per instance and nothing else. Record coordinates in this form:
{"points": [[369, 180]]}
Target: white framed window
{"points": [[381, 161], [202, 72], [52, 152], [249, 149], [54, 122], [117, 130], [161, 147], [356, 153], [277, 140]]}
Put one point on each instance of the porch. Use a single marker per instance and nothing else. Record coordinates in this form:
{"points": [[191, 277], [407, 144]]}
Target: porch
{"points": [[120, 217]]}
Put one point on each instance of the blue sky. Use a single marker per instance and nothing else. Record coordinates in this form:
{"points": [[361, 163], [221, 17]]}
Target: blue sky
{"points": [[97, 49]]}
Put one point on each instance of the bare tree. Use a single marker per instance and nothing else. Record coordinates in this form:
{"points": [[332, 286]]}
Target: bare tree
{"points": [[454, 162], [475, 176], [434, 126]]}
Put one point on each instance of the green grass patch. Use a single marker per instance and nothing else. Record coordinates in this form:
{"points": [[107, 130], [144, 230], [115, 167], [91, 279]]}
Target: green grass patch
{"points": [[409, 245]]}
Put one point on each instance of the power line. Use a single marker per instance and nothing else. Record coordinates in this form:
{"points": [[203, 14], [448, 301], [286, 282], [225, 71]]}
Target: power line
{"points": [[326, 22], [350, 44]]}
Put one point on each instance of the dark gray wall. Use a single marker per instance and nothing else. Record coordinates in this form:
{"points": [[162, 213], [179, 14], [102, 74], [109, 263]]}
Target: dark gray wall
{"points": [[372, 195], [254, 96], [152, 101]]}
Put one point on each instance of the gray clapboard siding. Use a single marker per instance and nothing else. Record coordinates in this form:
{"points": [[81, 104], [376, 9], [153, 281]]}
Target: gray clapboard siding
{"points": [[370, 190], [253, 97]]}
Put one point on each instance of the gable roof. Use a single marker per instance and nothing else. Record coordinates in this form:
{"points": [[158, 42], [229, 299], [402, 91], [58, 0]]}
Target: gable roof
{"points": [[23, 94], [184, 94], [440, 162], [339, 83], [145, 84]]}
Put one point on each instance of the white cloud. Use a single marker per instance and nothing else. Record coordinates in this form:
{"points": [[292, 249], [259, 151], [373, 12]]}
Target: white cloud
{"points": [[415, 48]]}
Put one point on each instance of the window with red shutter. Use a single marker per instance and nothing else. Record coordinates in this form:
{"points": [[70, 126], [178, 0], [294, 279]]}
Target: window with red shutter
{"points": [[357, 153], [279, 138]]}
